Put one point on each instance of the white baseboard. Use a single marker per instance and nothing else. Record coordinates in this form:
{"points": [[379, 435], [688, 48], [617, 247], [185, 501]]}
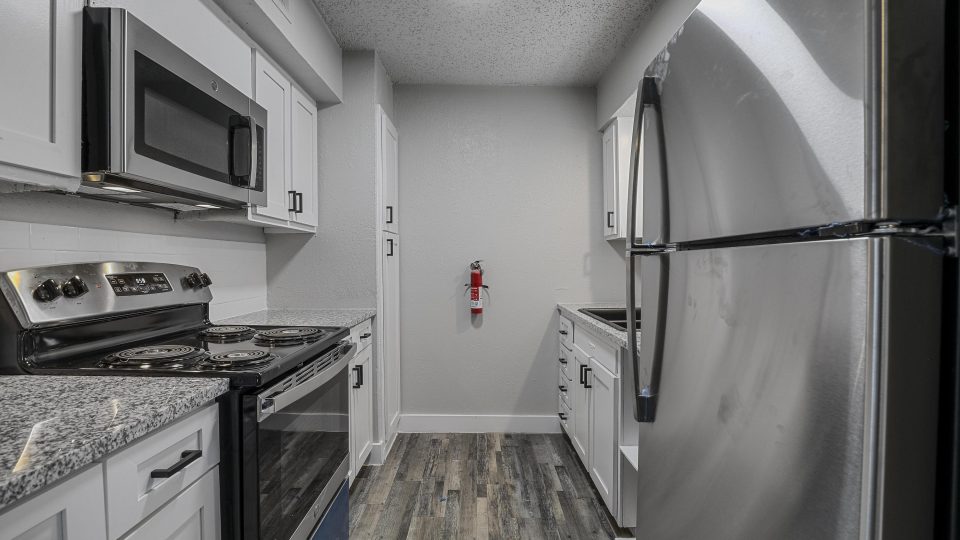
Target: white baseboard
{"points": [[478, 423]]}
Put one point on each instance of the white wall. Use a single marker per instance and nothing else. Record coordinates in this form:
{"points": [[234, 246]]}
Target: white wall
{"points": [[510, 175], [619, 82], [336, 267], [38, 229]]}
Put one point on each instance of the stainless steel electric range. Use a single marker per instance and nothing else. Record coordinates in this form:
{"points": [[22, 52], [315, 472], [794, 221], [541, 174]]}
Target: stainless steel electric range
{"points": [[284, 424]]}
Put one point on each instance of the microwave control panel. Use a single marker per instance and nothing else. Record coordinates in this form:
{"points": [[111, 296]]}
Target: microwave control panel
{"points": [[138, 284]]}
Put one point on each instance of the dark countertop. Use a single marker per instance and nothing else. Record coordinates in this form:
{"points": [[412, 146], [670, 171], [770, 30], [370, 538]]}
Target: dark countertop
{"points": [[54, 426]]}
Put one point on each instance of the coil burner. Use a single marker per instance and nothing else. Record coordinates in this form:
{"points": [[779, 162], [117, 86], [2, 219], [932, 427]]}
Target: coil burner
{"points": [[155, 356], [227, 334], [238, 360], [294, 335]]}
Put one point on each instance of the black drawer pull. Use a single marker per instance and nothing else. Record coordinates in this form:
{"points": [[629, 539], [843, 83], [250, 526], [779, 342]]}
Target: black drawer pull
{"points": [[563, 332], [586, 373], [563, 360], [562, 416], [186, 458], [365, 336], [562, 388]]}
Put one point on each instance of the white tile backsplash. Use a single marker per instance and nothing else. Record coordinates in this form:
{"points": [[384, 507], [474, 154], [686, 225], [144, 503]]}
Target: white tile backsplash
{"points": [[237, 268]]}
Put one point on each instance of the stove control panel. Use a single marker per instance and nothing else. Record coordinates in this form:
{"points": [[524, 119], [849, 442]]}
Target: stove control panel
{"points": [[137, 284]]}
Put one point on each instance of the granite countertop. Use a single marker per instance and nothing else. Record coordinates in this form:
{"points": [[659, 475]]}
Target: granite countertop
{"points": [[611, 334], [55, 425], [304, 317]]}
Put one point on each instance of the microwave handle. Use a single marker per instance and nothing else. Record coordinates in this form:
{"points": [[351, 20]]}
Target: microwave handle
{"points": [[254, 155], [245, 172]]}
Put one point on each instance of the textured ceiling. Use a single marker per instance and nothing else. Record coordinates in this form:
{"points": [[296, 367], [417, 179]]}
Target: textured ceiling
{"points": [[491, 42]]}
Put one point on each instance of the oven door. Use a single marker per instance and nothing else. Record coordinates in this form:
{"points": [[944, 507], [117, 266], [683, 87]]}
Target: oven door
{"points": [[177, 125], [302, 446]]}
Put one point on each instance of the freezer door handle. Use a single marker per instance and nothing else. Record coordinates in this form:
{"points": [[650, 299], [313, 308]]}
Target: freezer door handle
{"points": [[646, 383]]}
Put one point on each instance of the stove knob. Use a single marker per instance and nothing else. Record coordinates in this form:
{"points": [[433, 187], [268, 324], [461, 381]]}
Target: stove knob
{"points": [[193, 280], [47, 291], [205, 280], [74, 287]]}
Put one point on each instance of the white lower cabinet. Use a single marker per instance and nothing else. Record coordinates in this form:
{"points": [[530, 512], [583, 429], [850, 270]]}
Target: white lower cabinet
{"points": [[604, 448], [361, 409], [73, 510], [164, 486], [194, 514], [590, 404], [580, 395]]}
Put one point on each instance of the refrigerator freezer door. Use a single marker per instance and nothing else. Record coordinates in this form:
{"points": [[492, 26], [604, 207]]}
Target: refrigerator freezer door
{"points": [[766, 400], [769, 121]]}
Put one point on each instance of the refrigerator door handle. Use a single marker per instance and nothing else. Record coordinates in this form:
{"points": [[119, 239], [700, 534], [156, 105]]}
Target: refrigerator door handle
{"points": [[645, 388]]}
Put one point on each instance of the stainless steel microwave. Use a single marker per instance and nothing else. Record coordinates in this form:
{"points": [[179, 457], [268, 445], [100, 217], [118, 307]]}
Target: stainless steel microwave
{"points": [[159, 128]]}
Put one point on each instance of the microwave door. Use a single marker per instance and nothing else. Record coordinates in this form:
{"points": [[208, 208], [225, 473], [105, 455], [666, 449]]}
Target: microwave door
{"points": [[184, 128]]}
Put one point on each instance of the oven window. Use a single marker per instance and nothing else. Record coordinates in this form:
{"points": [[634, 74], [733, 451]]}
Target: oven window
{"points": [[180, 125], [300, 448]]}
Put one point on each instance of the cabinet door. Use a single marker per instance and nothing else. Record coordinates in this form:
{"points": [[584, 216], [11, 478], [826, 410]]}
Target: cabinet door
{"points": [[603, 431], [194, 514], [580, 394], [361, 414], [304, 157], [611, 207], [40, 95], [624, 155], [74, 510], [391, 331], [273, 94], [389, 174]]}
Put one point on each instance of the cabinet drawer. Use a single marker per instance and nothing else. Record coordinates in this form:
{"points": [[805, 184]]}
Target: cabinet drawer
{"points": [[133, 494], [362, 334], [566, 332], [563, 386], [599, 350], [195, 513], [565, 414], [565, 363]]}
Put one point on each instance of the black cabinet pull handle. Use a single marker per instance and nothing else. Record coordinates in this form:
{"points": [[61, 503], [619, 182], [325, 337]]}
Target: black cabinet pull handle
{"points": [[563, 332], [293, 201], [365, 336], [562, 416], [298, 197], [563, 360], [582, 382], [186, 458], [389, 214], [562, 388], [390, 242], [609, 218], [359, 377], [586, 373]]}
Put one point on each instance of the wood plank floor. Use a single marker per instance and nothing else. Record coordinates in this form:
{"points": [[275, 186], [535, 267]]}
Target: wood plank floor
{"points": [[479, 486]]}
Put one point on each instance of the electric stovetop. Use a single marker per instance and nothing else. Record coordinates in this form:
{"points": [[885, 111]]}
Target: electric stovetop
{"points": [[250, 356]]}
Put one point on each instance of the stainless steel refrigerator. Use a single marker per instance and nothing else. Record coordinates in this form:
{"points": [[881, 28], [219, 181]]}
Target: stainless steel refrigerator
{"points": [[789, 271]]}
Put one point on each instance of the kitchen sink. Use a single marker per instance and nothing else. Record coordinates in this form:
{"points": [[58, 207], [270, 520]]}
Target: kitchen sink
{"points": [[615, 317]]}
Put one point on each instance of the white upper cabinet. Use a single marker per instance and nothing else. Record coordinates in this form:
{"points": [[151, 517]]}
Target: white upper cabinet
{"points": [[294, 34], [389, 171], [40, 93], [291, 151], [273, 93], [303, 119], [201, 30], [617, 137]]}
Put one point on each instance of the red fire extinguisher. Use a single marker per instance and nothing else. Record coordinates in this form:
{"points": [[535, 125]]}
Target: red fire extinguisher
{"points": [[476, 288]]}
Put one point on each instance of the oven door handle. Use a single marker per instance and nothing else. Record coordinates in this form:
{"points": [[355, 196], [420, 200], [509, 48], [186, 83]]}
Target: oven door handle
{"points": [[272, 400]]}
